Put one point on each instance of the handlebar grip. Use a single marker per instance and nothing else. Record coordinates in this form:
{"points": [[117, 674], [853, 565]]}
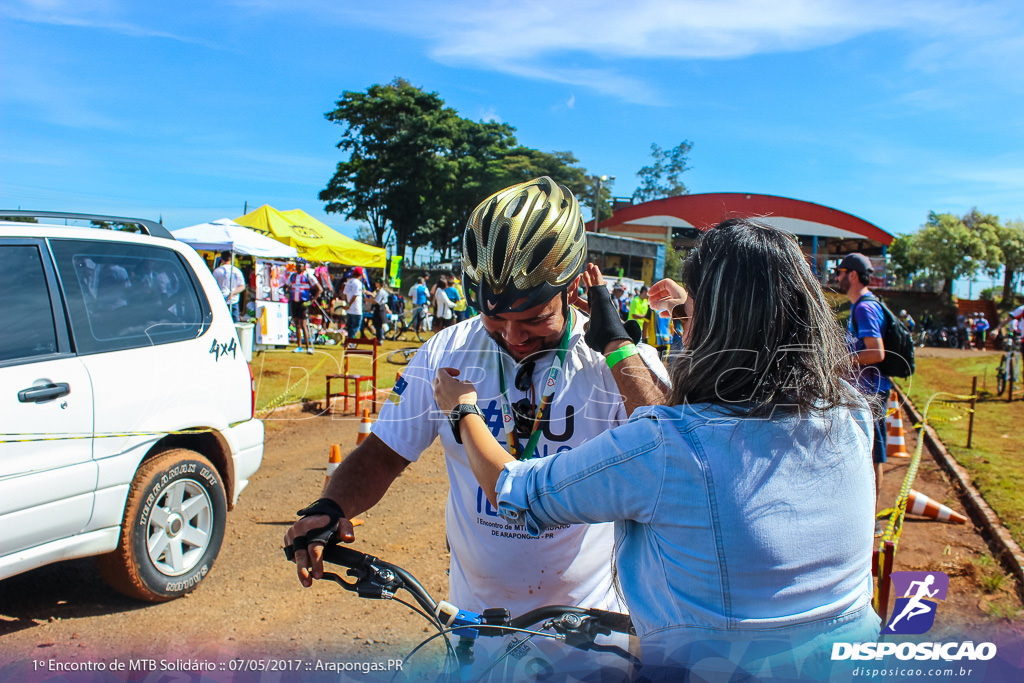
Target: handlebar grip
{"points": [[616, 621], [346, 557]]}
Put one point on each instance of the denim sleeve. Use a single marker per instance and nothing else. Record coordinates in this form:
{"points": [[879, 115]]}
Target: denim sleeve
{"points": [[616, 476]]}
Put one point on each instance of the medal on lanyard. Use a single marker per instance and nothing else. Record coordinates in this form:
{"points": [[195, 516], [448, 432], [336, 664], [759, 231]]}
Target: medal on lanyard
{"points": [[547, 396]]}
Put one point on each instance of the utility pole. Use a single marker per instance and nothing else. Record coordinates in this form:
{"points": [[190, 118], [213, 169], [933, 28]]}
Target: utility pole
{"points": [[597, 197]]}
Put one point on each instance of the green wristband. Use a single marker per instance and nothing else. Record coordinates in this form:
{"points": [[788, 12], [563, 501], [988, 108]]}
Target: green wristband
{"points": [[619, 355]]}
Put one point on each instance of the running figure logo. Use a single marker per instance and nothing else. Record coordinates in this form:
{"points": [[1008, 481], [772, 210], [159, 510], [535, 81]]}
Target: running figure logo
{"points": [[917, 597]]}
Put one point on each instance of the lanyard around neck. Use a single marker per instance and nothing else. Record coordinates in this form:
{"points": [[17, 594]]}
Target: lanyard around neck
{"points": [[508, 418]]}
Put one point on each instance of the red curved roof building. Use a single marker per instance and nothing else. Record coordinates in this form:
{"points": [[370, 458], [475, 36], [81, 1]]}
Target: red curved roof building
{"points": [[825, 233]]}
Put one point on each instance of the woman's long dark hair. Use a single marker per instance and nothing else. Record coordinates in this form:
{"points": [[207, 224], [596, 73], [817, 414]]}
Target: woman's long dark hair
{"points": [[762, 336]]}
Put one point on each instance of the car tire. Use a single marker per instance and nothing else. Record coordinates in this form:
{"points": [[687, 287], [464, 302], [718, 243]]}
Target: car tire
{"points": [[172, 529]]}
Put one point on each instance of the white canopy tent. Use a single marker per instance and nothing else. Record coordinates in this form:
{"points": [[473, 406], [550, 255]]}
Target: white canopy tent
{"points": [[224, 234]]}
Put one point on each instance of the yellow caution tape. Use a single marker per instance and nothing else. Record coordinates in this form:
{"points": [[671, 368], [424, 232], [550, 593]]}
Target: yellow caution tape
{"points": [[895, 527], [30, 437]]}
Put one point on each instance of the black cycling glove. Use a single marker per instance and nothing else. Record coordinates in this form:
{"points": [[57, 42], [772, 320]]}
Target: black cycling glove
{"points": [[324, 534], [605, 324]]}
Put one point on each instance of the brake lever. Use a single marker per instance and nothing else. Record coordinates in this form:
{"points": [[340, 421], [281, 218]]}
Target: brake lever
{"points": [[371, 580], [580, 631]]}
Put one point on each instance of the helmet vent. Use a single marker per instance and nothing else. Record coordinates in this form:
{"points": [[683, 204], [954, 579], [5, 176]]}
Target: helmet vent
{"points": [[516, 207], [499, 252], [542, 251], [535, 224], [469, 242], [485, 223]]}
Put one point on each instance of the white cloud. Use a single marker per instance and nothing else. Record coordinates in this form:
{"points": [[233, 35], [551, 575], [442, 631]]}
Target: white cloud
{"points": [[571, 102], [574, 41], [490, 114], [104, 16]]}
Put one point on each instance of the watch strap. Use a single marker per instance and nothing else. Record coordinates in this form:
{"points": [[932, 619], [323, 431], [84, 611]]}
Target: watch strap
{"points": [[459, 412]]}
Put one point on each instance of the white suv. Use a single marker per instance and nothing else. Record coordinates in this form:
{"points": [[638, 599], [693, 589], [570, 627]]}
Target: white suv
{"points": [[126, 405]]}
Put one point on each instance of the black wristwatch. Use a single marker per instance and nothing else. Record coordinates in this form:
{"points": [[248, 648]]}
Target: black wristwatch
{"points": [[455, 417]]}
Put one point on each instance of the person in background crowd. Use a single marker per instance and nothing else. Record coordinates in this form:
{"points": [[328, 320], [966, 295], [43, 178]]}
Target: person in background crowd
{"points": [[305, 288], [454, 292], [981, 328], [380, 309], [1015, 323], [353, 296], [907, 320], [638, 309], [420, 298], [963, 336], [677, 331], [323, 276], [231, 282], [621, 301], [743, 503], [444, 314], [865, 330]]}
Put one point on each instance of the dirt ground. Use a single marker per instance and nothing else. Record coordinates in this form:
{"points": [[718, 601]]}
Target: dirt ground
{"points": [[251, 605]]}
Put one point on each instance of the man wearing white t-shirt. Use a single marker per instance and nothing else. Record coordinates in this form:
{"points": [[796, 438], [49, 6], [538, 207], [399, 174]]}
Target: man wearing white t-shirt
{"points": [[231, 282], [354, 298], [1015, 320], [541, 389]]}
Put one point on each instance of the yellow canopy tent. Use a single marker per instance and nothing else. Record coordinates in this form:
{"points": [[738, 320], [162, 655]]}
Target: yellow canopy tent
{"points": [[315, 241]]}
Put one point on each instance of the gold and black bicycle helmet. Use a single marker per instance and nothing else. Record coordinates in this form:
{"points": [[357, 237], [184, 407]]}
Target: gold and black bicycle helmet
{"points": [[522, 246]]}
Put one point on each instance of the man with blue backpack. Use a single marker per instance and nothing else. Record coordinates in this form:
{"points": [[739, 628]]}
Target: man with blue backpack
{"points": [[878, 345], [865, 330]]}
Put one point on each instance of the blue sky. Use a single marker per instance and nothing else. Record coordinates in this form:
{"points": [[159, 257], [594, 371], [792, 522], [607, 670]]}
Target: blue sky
{"points": [[188, 110]]}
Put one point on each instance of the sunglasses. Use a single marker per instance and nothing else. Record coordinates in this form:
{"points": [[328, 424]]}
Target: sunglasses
{"points": [[524, 376], [523, 413], [525, 409]]}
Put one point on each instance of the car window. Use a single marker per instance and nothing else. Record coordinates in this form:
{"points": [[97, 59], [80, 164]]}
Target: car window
{"points": [[127, 295], [26, 326]]}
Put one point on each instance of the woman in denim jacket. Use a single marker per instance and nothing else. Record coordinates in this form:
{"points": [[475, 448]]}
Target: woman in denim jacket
{"points": [[744, 506]]}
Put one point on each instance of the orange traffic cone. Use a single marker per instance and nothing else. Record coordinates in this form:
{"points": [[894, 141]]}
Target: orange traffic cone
{"points": [[895, 444], [364, 427], [333, 460], [920, 504]]}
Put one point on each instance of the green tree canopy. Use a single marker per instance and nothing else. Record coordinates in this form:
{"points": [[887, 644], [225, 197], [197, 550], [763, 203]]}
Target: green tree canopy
{"points": [[397, 138], [664, 177], [1011, 244], [415, 167], [950, 247]]}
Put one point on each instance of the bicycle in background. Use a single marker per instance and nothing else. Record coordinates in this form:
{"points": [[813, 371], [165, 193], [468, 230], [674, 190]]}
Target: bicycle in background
{"points": [[417, 326], [576, 627], [1008, 372]]}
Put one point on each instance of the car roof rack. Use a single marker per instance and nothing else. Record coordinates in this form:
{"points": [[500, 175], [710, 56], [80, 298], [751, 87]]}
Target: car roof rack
{"points": [[99, 221]]}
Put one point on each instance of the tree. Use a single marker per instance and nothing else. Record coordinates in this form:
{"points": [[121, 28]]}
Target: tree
{"points": [[904, 257], [397, 138], [663, 178], [986, 227], [674, 260], [365, 234], [947, 247], [477, 155], [1011, 244]]}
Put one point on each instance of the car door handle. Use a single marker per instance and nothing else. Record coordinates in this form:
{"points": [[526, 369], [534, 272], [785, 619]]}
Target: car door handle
{"points": [[46, 392]]}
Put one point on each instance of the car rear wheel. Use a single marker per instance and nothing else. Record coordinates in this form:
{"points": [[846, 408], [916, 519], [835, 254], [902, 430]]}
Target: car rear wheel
{"points": [[172, 529]]}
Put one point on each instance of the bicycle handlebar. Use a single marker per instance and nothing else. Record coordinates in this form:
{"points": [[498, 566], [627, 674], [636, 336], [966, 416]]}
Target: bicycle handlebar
{"points": [[343, 555], [377, 579]]}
